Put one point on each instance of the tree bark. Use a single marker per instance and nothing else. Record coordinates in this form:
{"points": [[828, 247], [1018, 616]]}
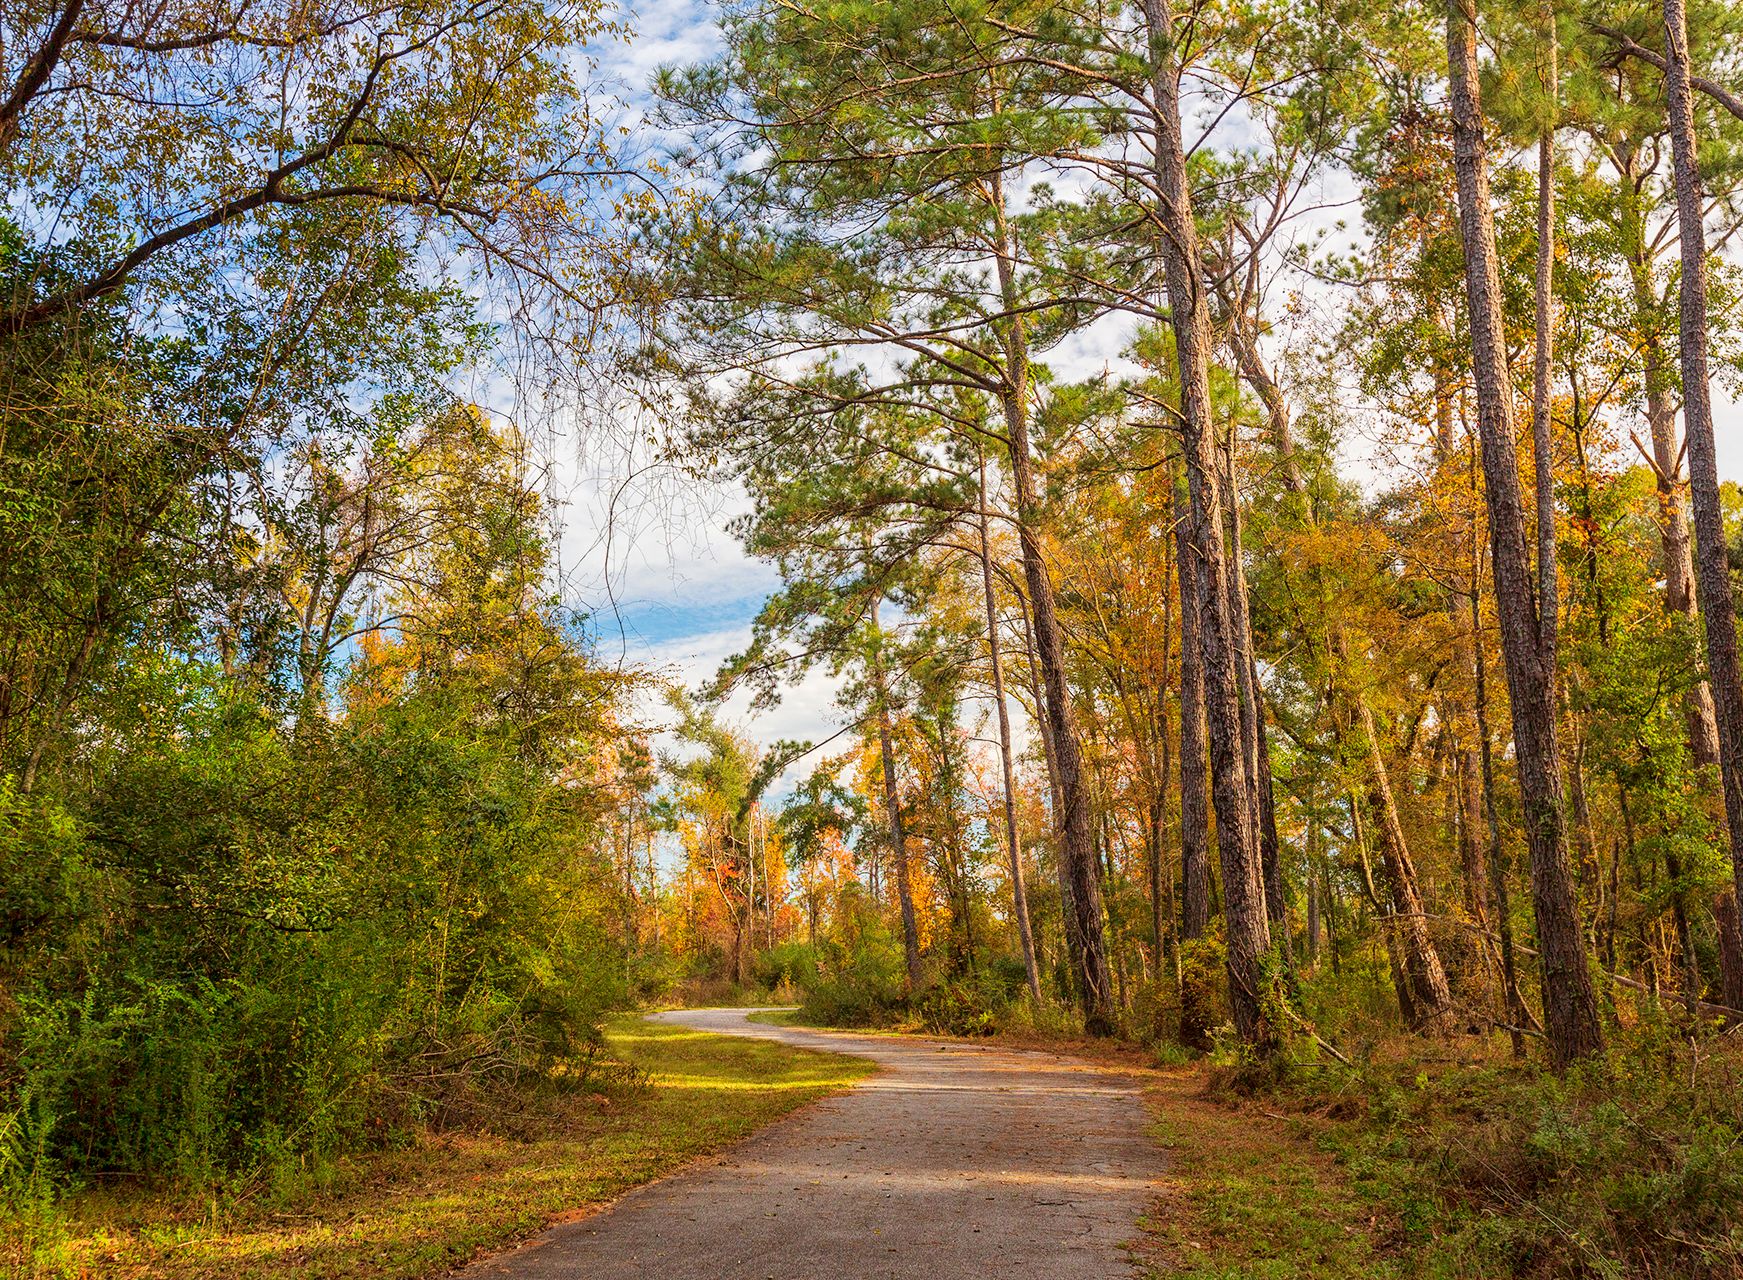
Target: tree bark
{"points": [[1725, 917], [1068, 917], [893, 804], [1712, 568], [1248, 360], [1247, 929], [1258, 746], [1019, 895], [1471, 857], [1570, 1008], [1077, 836], [1543, 455], [1676, 547], [1161, 911], [1431, 997], [1194, 753]]}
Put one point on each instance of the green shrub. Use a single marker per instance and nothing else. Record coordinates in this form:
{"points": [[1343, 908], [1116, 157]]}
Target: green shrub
{"points": [[1630, 1165], [788, 965], [956, 1009], [1203, 991], [302, 945]]}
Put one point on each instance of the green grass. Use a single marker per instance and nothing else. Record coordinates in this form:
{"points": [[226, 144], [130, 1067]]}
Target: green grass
{"points": [[779, 1018], [444, 1198], [1251, 1196]]}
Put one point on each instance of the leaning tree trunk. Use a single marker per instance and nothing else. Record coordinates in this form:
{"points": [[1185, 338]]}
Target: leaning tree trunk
{"points": [[1543, 296], [1161, 911], [1570, 1009], [1431, 997], [1247, 931], [1068, 917], [1712, 568], [1253, 731], [1019, 895], [1675, 546]]}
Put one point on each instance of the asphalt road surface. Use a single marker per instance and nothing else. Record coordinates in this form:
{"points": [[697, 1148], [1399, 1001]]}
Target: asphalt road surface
{"points": [[954, 1162]]}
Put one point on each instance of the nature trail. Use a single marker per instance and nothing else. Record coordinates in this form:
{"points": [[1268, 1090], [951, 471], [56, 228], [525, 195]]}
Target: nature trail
{"points": [[954, 1162]]}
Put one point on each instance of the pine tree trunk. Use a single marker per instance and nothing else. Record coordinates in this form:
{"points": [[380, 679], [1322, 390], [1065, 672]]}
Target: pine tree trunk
{"points": [[1068, 917], [1712, 568], [1570, 1008], [1543, 295], [1247, 931], [1245, 347], [1386, 913], [1077, 837], [1730, 928], [1019, 895], [1258, 745], [1194, 753], [898, 835], [1676, 547], [1512, 1001], [1161, 904], [1471, 859]]}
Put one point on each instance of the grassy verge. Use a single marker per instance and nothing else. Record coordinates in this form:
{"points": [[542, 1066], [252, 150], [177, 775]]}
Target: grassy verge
{"points": [[1255, 1195], [411, 1212], [777, 1018]]}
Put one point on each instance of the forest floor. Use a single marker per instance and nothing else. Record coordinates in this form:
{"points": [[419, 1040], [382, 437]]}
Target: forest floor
{"points": [[443, 1198]]}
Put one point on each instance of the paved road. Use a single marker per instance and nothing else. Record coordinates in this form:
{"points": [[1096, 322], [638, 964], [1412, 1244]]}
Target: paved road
{"points": [[955, 1162]]}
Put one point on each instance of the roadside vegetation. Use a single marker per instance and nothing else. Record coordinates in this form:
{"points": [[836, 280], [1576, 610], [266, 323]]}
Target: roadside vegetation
{"points": [[432, 1198]]}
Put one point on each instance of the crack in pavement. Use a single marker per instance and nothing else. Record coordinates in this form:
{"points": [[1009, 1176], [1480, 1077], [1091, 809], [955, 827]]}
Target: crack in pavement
{"points": [[954, 1162]]}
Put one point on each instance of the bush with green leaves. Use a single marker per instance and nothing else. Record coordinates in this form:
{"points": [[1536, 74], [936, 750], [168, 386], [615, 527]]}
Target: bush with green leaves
{"points": [[245, 946]]}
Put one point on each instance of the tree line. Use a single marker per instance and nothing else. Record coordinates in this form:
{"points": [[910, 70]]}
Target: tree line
{"points": [[1041, 338], [306, 772]]}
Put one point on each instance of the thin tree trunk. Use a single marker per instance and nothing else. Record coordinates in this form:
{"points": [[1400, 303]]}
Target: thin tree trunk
{"points": [[1019, 895], [1512, 1001], [1194, 753], [1068, 917], [1730, 930], [1247, 930], [1676, 547], [1471, 858], [893, 804], [1252, 366], [1570, 1008], [1431, 996], [1161, 910], [1548, 603], [1387, 915], [1712, 568], [1258, 745]]}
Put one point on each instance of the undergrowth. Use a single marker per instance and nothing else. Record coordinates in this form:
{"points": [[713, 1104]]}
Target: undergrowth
{"points": [[1626, 1166]]}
